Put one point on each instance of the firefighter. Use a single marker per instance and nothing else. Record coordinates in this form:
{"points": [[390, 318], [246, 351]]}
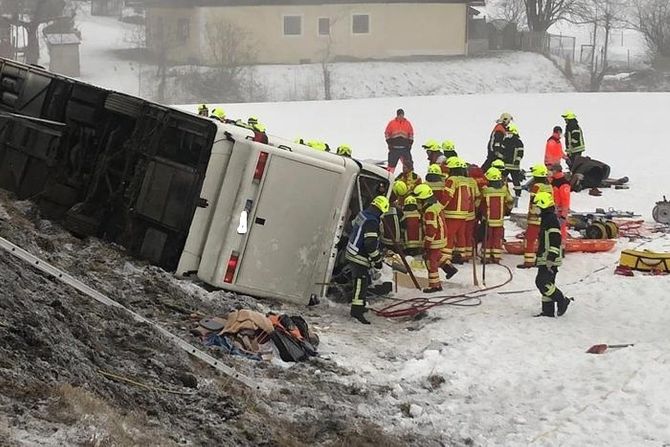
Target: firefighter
{"points": [[203, 110], [399, 192], [549, 257], [553, 151], [561, 187], [318, 145], [363, 253], [496, 204], [218, 114], [435, 179], [495, 144], [410, 178], [513, 152], [399, 137], [539, 183], [474, 180], [574, 137], [435, 239], [449, 149], [457, 198], [433, 151], [391, 232], [411, 227], [344, 150]]}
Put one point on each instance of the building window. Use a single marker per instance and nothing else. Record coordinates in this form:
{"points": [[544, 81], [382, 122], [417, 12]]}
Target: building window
{"points": [[324, 26], [183, 29], [360, 24], [292, 25]]}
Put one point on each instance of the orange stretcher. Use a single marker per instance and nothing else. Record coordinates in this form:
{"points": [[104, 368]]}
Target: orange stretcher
{"points": [[571, 245]]}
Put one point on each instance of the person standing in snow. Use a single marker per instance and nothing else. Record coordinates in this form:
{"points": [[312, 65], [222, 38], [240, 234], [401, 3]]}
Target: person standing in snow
{"points": [[363, 253], [574, 137], [399, 137], [495, 144], [496, 204], [562, 191], [553, 151], [513, 151], [540, 183], [549, 257]]}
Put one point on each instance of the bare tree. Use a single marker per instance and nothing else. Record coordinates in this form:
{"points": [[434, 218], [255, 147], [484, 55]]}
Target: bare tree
{"points": [[541, 14], [603, 16], [653, 21], [30, 15], [511, 11]]}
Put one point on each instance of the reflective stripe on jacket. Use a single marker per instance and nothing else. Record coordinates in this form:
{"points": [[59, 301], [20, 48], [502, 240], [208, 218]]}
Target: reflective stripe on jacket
{"points": [[434, 227], [534, 210], [363, 245]]}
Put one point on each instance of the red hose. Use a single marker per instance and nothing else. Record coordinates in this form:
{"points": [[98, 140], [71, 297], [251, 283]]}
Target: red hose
{"points": [[414, 306]]}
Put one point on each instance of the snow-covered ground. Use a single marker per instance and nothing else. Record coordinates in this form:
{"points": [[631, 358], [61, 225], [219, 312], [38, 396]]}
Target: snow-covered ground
{"points": [[511, 379]]}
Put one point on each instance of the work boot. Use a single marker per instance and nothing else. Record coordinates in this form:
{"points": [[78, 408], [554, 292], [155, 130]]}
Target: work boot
{"points": [[563, 306], [432, 289], [357, 312], [525, 265], [457, 259], [449, 270], [547, 309], [595, 192]]}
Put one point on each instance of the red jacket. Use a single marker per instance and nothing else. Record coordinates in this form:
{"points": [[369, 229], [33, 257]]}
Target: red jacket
{"points": [[434, 228], [412, 231], [399, 133], [553, 153]]}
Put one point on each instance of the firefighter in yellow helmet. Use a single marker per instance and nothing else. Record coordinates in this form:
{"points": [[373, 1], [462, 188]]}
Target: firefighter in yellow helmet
{"points": [[344, 150], [411, 227], [574, 137], [203, 110], [495, 145], [364, 252], [218, 114], [539, 183], [549, 257]]}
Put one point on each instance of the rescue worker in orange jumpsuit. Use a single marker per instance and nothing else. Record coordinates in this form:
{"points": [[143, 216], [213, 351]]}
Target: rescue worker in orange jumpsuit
{"points": [[495, 144], [562, 190], [473, 185], [540, 183], [435, 239], [496, 203], [409, 177], [553, 151], [458, 200], [399, 136], [411, 227]]}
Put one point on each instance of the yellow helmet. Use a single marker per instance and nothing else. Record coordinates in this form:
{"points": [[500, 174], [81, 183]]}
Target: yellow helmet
{"points": [[453, 162], [344, 150], [318, 145], [434, 169], [505, 118], [431, 146], [410, 200], [569, 115], [539, 170], [219, 113], [203, 108], [400, 188], [544, 199], [382, 203], [462, 163], [252, 120], [448, 145], [498, 164], [423, 192], [513, 129], [259, 127], [493, 174]]}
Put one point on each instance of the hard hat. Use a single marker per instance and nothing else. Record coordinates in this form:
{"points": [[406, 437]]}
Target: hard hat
{"points": [[410, 200], [448, 145], [434, 169], [498, 164], [513, 129], [462, 163], [318, 145], [299, 140], [431, 146], [382, 203], [252, 120], [400, 188], [505, 118], [453, 162], [259, 127], [493, 174], [423, 191], [544, 199], [202, 107], [539, 170], [344, 149], [219, 113], [569, 115]]}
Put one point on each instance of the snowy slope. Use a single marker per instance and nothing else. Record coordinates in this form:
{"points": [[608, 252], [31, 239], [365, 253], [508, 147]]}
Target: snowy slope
{"points": [[511, 379]]}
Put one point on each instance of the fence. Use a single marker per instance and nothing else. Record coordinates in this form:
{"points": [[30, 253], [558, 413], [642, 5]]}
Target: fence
{"points": [[550, 44]]}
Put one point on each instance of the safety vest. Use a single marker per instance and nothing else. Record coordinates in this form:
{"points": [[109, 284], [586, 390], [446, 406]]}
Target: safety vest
{"points": [[365, 221], [545, 247], [574, 138], [534, 210], [494, 205], [412, 231], [390, 234], [434, 227]]}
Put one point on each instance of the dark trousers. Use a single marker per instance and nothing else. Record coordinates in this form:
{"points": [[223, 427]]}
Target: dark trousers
{"points": [[490, 158], [360, 278], [396, 154], [517, 180], [545, 281]]}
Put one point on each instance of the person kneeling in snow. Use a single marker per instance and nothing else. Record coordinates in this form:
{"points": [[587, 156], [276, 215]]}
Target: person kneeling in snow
{"points": [[549, 256]]}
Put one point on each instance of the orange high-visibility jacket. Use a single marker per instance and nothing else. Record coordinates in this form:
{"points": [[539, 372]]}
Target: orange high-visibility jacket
{"points": [[475, 195], [553, 153], [458, 197], [434, 227], [495, 203], [562, 191]]}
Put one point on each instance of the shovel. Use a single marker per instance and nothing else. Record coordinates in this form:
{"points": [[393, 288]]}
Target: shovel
{"points": [[601, 348]]}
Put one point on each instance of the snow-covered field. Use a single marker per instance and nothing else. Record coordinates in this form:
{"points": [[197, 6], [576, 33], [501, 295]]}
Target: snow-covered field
{"points": [[511, 379]]}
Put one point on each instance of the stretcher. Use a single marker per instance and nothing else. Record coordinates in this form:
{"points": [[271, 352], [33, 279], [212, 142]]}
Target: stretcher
{"points": [[571, 245]]}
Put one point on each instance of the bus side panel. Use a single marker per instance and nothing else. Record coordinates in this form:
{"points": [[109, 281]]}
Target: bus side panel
{"points": [[202, 219]]}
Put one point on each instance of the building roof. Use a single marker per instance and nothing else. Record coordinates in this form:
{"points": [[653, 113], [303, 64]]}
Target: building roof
{"points": [[63, 39], [214, 3]]}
